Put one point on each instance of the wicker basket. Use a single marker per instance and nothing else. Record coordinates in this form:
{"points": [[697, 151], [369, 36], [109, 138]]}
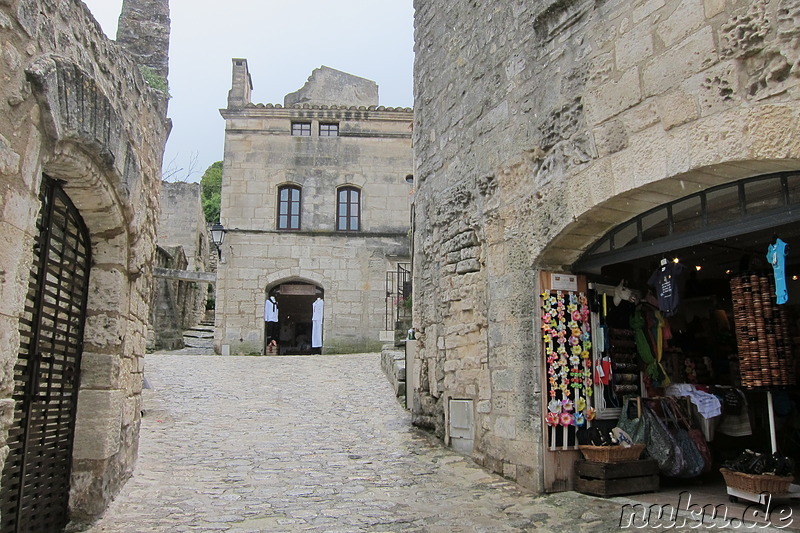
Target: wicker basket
{"points": [[611, 454], [756, 484]]}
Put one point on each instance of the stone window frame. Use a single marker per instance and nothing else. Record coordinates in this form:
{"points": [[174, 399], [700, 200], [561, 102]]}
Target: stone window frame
{"points": [[348, 217], [301, 129], [328, 129], [287, 224]]}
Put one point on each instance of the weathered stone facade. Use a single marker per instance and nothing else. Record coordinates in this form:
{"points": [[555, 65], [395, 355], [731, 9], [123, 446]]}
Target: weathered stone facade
{"points": [[540, 127], [74, 106], [183, 245], [369, 151]]}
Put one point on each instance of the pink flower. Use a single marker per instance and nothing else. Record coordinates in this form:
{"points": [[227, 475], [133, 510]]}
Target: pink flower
{"points": [[566, 419]]}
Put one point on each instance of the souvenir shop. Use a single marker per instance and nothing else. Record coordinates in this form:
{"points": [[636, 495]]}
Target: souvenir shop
{"points": [[684, 323]]}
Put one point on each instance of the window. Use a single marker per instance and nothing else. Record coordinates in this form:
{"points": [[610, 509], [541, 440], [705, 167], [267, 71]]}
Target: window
{"points": [[348, 208], [289, 207], [329, 130], [301, 129]]}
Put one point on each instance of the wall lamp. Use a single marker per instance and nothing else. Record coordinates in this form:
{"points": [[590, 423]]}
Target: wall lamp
{"points": [[217, 236]]}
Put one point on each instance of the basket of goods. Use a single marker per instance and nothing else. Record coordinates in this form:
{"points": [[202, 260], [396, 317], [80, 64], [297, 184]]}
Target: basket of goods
{"points": [[756, 473], [615, 447]]}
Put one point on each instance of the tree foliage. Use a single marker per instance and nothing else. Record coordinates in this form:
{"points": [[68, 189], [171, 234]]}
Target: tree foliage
{"points": [[211, 189]]}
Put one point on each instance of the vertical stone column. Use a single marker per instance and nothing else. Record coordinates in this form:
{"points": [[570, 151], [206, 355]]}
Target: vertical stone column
{"points": [[143, 30], [241, 85]]}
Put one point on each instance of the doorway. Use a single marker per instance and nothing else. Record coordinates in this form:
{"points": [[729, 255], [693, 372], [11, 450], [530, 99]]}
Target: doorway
{"points": [[293, 333], [36, 476]]}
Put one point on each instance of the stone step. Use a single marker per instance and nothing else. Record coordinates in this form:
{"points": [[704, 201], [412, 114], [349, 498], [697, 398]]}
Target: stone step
{"points": [[198, 335]]}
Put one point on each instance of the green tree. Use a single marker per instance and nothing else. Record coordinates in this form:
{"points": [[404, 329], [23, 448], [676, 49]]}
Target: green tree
{"points": [[211, 189]]}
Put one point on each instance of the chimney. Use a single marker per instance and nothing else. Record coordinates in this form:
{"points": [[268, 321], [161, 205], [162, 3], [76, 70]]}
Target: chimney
{"points": [[241, 85]]}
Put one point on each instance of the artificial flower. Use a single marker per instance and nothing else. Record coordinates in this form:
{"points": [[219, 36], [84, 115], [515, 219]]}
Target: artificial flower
{"points": [[567, 406], [591, 413], [581, 404], [551, 419], [579, 419], [566, 419], [554, 406]]}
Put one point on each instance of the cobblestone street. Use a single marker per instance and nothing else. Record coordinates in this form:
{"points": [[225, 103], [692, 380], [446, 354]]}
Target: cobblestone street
{"points": [[251, 444]]}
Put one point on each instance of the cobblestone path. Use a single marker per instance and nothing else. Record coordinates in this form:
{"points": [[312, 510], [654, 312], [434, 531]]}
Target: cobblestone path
{"points": [[263, 444]]}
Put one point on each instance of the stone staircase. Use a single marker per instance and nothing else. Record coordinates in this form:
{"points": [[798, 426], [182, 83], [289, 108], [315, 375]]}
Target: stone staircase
{"points": [[200, 339]]}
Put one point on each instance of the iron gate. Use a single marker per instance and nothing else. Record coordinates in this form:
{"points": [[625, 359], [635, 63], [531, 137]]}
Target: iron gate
{"points": [[34, 491]]}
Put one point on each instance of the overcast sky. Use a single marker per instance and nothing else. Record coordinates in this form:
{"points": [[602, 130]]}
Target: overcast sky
{"points": [[283, 41]]}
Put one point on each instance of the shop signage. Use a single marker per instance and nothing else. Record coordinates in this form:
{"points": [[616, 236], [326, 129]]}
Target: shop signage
{"points": [[298, 290], [564, 282]]}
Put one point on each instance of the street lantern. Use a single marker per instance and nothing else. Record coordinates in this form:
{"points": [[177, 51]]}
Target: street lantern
{"points": [[217, 236]]}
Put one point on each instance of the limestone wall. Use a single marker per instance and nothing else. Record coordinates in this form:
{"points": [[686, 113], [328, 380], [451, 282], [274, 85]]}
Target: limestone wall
{"points": [[181, 222], [351, 270], [74, 106], [538, 127], [371, 152]]}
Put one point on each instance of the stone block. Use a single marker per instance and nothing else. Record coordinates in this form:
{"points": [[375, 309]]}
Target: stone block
{"points": [[676, 108], [687, 17], [98, 424], [714, 7], [100, 371], [633, 47], [646, 8], [505, 427], [665, 71], [613, 97], [502, 380]]}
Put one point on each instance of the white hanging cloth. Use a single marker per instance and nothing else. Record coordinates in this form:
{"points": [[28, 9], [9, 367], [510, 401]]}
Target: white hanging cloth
{"points": [[316, 323], [271, 310]]}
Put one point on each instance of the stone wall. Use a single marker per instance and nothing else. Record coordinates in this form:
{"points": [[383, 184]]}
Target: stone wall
{"points": [[371, 152], [173, 309], [74, 106], [181, 222], [538, 127]]}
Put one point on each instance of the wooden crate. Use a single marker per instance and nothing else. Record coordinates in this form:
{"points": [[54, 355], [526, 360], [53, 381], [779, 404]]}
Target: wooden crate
{"points": [[615, 479]]}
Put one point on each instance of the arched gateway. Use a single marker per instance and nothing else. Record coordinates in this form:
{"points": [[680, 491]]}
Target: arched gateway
{"points": [[292, 313]]}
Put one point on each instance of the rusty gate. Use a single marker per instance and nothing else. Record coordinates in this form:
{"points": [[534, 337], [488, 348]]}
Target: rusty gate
{"points": [[34, 491]]}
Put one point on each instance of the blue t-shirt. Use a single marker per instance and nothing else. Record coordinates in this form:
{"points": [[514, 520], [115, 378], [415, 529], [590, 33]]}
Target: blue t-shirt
{"points": [[776, 255]]}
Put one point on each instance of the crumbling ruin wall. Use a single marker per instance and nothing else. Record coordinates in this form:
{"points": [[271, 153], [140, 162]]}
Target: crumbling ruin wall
{"points": [[538, 127], [74, 106], [181, 223]]}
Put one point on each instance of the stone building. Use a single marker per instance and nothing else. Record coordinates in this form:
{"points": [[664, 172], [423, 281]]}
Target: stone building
{"points": [[540, 130], [316, 205], [183, 247], [82, 137]]}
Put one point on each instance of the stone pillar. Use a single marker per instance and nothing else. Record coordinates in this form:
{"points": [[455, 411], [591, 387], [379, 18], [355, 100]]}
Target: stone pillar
{"points": [[143, 30], [241, 85]]}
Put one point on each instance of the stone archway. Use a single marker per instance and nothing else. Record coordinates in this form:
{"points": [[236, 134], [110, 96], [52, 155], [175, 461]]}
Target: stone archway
{"points": [[112, 178], [576, 237], [294, 332]]}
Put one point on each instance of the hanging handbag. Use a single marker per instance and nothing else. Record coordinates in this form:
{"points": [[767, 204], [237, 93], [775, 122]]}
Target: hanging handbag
{"points": [[693, 463], [644, 427], [698, 438]]}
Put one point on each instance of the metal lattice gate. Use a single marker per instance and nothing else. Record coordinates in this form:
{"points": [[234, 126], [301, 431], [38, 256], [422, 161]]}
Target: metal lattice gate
{"points": [[34, 491]]}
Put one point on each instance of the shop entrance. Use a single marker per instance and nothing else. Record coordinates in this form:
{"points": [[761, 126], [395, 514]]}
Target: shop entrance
{"points": [[295, 331], [699, 279]]}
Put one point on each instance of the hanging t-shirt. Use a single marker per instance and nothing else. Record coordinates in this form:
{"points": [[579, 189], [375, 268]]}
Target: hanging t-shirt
{"points": [[270, 310], [317, 311], [665, 282], [776, 255]]}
